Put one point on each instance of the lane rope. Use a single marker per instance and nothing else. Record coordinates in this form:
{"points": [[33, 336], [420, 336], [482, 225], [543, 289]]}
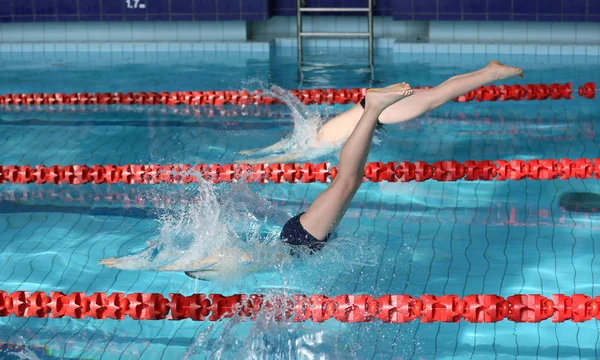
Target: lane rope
{"points": [[514, 92], [404, 171], [298, 308]]}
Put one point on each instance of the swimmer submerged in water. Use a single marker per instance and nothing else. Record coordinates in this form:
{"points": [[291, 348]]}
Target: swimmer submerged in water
{"points": [[311, 229], [335, 131]]}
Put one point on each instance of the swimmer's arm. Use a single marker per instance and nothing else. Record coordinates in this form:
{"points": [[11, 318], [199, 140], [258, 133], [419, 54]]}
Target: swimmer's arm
{"points": [[273, 159], [141, 260], [277, 146], [123, 264], [197, 265]]}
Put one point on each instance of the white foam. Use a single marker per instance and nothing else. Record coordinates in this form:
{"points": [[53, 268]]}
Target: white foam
{"points": [[303, 138], [229, 230]]}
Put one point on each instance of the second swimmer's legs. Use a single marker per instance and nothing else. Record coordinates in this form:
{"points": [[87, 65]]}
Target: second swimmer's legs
{"points": [[427, 100], [422, 100]]}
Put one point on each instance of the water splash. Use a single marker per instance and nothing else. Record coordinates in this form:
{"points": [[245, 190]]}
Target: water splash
{"points": [[306, 122], [267, 337], [225, 232], [214, 236], [19, 350], [303, 141], [303, 138], [220, 218]]}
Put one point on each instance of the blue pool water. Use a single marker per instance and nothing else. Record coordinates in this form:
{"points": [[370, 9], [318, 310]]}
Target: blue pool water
{"points": [[441, 238]]}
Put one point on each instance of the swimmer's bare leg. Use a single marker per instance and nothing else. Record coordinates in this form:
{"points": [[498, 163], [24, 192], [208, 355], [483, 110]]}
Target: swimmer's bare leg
{"points": [[327, 210], [422, 101]]}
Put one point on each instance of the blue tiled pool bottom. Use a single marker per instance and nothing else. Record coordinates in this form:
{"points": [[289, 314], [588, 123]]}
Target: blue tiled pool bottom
{"points": [[442, 238]]}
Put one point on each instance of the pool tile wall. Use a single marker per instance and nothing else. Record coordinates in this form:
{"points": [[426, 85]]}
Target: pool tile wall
{"points": [[514, 32], [199, 10], [446, 37], [155, 31], [497, 10], [132, 10]]}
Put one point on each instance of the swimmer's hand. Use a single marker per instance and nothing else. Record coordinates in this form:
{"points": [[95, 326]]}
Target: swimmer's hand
{"points": [[278, 146], [322, 148], [249, 152], [274, 159], [123, 263], [110, 262]]}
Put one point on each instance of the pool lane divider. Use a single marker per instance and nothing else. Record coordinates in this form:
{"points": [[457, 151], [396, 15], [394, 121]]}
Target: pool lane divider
{"points": [[299, 308], [514, 92], [404, 171]]}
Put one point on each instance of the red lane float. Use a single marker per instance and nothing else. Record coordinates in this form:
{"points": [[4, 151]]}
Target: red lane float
{"points": [[588, 90], [404, 171], [299, 308], [307, 96]]}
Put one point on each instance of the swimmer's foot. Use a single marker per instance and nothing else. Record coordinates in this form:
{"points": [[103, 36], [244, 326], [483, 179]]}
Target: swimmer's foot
{"points": [[381, 98], [504, 71]]}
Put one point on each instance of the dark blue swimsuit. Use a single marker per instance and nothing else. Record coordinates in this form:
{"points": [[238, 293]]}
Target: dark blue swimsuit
{"points": [[293, 233]]}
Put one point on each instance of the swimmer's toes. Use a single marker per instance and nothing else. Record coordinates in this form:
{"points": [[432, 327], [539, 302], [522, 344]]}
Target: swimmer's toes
{"points": [[519, 72]]}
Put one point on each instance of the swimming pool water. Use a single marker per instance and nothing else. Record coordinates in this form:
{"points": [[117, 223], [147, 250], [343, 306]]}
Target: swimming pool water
{"points": [[441, 238]]}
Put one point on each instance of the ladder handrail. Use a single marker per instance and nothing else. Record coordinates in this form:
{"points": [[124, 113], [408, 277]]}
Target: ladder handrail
{"points": [[335, 34], [305, 9], [300, 33], [370, 29]]}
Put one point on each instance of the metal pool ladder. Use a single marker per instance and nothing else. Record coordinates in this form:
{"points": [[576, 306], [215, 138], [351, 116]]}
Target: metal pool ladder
{"points": [[302, 34]]}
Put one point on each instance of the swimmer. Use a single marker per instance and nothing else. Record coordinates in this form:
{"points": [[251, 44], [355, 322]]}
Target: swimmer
{"points": [[311, 229], [337, 130]]}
